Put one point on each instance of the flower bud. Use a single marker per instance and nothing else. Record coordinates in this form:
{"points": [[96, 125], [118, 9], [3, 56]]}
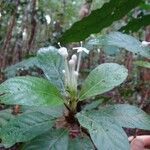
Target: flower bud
{"points": [[71, 62], [98, 50], [74, 57], [63, 52]]}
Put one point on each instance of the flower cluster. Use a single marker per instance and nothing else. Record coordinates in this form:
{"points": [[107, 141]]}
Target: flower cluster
{"points": [[72, 66]]}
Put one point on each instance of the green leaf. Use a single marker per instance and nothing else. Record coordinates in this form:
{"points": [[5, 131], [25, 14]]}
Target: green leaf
{"points": [[55, 111], [30, 91], [122, 41], [105, 125], [25, 127], [102, 79], [127, 116], [110, 50], [25, 64], [99, 19], [5, 116], [141, 63], [104, 132], [52, 64], [80, 143], [135, 24], [58, 140], [53, 140], [94, 104]]}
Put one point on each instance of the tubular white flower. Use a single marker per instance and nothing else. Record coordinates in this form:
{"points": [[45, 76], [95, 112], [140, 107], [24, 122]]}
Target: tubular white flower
{"points": [[74, 57], [71, 73], [71, 63], [63, 51], [145, 43], [81, 49], [67, 73]]}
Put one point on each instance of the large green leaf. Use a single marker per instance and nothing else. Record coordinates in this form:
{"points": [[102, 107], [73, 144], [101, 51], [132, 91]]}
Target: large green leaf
{"points": [[24, 64], [58, 140], [99, 19], [53, 140], [80, 143], [94, 104], [5, 116], [55, 111], [127, 116], [135, 24], [105, 125], [141, 63], [102, 79], [25, 127], [52, 64], [30, 91], [104, 132], [122, 41]]}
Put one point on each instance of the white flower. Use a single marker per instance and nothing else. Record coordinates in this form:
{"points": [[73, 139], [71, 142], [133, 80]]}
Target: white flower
{"points": [[48, 19], [72, 63], [81, 49], [74, 57], [145, 43], [98, 50], [63, 52]]}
